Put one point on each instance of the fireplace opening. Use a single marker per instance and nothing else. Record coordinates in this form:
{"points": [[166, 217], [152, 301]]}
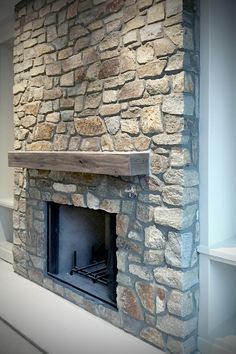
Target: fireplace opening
{"points": [[81, 250]]}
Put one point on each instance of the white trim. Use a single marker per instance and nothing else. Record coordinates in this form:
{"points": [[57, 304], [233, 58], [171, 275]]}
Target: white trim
{"points": [[7, 203], [210, 347], [6, 251], [224, 252]]}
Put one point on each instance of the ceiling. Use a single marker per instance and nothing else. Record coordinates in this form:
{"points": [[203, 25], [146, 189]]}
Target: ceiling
{"points": [[6, 9]]}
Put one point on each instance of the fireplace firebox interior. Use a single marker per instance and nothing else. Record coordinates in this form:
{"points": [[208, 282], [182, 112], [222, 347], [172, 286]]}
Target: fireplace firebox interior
{"points": [[81, 250]]}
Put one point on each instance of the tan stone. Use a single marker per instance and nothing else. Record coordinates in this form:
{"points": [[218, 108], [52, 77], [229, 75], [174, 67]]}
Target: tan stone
{"points": [[109, 96], [72, 10], [151, 69], [173, 124], [151, 32], [173, 7], [123, 142], [170, 139], [143, 4], [79, 103], [109, 110], [44, 131], [180, 157], [90, 126], [110, 42], [72, 62], [176, 35], [176, 62], [38, 70], [159, 86], [64, 188], [154, 238], [89, 56], [53, 69], [128, 302], [130, 126], [175, 217], [39, 146], [52, 94], [153, 336], [107, 143], [178, 195], [77, 32], [146, 293], [145, 53], [42, 49], [32, 108], [156, 13], [142, 143], [133, 24], [60, 142], [78, 200], [122, 224], [67, 79], [20, 87], [159, 163], [186, 177], [90, 144], [130, 37], [92, 101], [109, 68], [127, 60], [66, 103], [53, 117], [28, 121], [151, 120], [64, 53], [131, 90], [180, 304]]}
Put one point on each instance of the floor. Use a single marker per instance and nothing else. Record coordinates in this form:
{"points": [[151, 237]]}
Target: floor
{"points": [[53, 324]]}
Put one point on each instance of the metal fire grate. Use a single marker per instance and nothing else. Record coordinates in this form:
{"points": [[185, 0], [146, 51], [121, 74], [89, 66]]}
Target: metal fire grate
{"points": [[96, 271]]}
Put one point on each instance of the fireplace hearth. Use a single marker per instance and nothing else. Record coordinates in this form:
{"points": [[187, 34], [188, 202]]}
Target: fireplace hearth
{"points": [[81, 250]]}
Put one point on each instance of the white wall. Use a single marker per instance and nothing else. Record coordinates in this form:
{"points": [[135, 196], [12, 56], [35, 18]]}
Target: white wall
{"points": [[6, 119], [218, 121]]}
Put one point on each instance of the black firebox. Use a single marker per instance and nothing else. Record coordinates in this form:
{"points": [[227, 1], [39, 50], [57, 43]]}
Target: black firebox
{"points": [[81, 250]]}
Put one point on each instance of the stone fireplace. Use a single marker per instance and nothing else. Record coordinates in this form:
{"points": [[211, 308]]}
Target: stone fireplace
{"points": [[110, 77]]}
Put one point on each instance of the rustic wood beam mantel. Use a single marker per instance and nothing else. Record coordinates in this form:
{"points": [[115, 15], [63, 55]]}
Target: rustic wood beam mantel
{"points": [[105, 163]]}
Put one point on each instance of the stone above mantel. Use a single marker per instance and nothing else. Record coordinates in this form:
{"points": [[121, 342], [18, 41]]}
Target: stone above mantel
{"points": [[105, 163]]}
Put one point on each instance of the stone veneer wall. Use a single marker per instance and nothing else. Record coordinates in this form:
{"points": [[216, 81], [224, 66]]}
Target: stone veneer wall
{"points": [[115, 75]]}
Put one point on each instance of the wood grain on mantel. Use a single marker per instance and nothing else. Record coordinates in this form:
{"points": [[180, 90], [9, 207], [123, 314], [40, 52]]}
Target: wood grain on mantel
{"points": [[105, 163]]}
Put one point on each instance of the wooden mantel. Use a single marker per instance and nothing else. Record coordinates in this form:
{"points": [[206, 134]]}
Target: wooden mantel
{"points": [[106, 163]]}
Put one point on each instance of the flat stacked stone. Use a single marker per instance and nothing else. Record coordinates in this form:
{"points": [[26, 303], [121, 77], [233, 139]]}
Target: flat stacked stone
{"points": [[115, 75]]}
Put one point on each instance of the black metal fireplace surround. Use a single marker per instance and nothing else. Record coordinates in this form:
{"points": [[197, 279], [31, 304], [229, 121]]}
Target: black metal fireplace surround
{"points": [[81, 250]]}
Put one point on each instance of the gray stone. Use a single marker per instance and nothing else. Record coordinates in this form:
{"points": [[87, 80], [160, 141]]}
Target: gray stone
{"points": [[159, 86], [153, 257], [141, 272], [153, 336], [64, 188], [178, 250], [113, 124], [175, 278], [176, 327], [180, 304], [182, 347], [178, 195], [179, 157], [154, 238], [175, 217], [151, 32]]}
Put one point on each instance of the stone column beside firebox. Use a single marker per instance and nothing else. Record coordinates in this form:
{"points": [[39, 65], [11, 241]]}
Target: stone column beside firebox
{"points": [[115, 75]]}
